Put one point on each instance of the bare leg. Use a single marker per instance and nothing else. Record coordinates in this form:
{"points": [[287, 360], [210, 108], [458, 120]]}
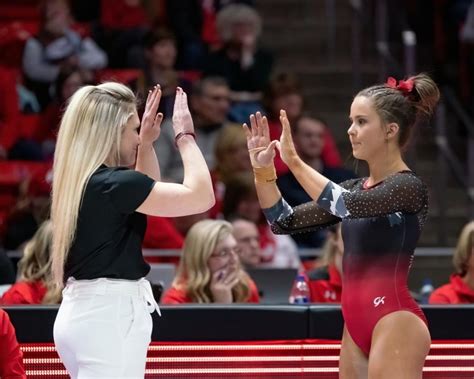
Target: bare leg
{"points": [[400, 343], [353, 363]]}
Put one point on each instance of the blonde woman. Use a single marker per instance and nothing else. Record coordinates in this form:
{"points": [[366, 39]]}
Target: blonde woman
{"points": [[210, 271], [460, 289], [106, 179], [35, 285]]}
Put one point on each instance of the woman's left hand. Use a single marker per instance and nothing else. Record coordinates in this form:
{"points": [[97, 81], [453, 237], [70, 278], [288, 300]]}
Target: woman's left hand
{"points": [[151, 121], [286, 146]]}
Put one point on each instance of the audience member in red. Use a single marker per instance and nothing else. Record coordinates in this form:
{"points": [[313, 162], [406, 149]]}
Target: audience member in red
{"points": [[284, 92], [9, 111], [460, 289], [161, 233], [34, 285], [210, 270], [325, 284], [11, 357]]}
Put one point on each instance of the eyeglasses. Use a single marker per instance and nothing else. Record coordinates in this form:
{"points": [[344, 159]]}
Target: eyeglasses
{"points": [[224, 253]]}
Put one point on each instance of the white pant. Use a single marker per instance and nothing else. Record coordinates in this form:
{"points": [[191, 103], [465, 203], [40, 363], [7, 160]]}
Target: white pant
{"points": [[103, 327]]}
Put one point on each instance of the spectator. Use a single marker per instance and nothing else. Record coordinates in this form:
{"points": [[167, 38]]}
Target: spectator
{"points": [[325, 284], [240, 200], [231, 158], [247, 237], [57, 46], [69, 80], [284, 92], [194, 23], [11, 356], [210, 271], [460, 289], [245, 65], [160, 58], [308, 136], [209, 105], [34, 269]]}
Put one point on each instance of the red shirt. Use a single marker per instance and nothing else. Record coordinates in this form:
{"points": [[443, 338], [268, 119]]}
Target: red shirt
{"points": [[24, 293], [11, 357], [455, 292], [174, 295], [325, 290]]}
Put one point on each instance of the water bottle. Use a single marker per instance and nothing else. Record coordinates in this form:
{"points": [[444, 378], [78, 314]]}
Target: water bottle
{"points": [[300, 291], [425, 291]]}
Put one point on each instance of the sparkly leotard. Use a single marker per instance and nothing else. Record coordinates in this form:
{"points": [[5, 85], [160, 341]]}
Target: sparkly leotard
{"points": [[380, 228]]}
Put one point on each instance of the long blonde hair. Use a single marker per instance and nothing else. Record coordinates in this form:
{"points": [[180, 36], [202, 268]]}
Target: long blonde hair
{"points": [[36, 261], [193, 272], [89, 135], [464, 248]]}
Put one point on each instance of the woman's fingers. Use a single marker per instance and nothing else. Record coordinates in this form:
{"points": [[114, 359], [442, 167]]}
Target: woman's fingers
{"points": [[253, 126]]}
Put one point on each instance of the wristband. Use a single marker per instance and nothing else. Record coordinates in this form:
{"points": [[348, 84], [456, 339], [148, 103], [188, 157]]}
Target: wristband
{"points": [[265, 174], [181, 134]]}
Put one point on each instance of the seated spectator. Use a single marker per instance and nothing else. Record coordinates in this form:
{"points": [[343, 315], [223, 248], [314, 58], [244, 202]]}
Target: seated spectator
{"points": [[245, 65], [460, 289], [160, 59], [34, 270], [210, 271], [69, 80], [194, 24], [240, 200], [57, 46], [209, 105], [325, 284], [231, 158], [308, 136], [247, 237], [284, 92], [11, 356]]}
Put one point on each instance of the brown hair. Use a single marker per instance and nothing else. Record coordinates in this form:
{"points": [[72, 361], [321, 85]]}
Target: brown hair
{"points": [[280, 84], [403, 107]]}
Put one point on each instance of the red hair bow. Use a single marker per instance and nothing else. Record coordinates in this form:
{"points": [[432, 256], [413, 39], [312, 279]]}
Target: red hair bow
{"points": [[406, 86]]}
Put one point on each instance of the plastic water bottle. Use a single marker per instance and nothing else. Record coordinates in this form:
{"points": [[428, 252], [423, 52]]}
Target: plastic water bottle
{"points": [[300, 291], [425, 291]]}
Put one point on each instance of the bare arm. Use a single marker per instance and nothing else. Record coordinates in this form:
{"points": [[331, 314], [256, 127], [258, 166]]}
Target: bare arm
{"points": [[196, 194], [147, 161]]}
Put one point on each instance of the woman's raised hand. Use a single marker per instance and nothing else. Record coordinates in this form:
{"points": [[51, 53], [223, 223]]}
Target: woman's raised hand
{"points": [[286, 146], [261, 149], [182, 120], [150, 127]]}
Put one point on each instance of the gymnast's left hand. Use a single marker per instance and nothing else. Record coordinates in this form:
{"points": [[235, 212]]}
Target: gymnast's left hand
{"points": [[151, 121]]}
